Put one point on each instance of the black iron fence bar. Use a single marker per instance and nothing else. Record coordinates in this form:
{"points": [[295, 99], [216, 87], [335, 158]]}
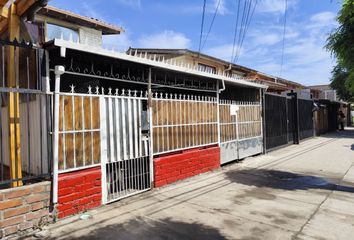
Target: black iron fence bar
{"points": [[37, 177], [16, 43]]}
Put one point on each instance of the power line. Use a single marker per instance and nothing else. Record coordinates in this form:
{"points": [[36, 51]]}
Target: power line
{"points": [[248, 22], [245, 15], [211, 24], [235, 33], [284, 31], [201, 28]]}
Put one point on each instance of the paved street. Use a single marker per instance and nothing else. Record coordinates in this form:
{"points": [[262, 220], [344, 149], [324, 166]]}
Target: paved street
{"points": [[299, 192]]}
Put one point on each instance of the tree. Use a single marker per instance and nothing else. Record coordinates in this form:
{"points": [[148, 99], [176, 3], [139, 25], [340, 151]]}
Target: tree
{"points": [[341, 44], [340, 84]]}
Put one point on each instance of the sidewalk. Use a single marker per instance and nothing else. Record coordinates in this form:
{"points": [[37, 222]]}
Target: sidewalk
{"points": [[299, 192]]}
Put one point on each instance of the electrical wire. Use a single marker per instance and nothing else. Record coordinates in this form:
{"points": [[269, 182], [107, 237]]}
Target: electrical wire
{"points": [[245, 15], [246, 29], [284, 32], [201, 28], [211, 24], [235, 33]]}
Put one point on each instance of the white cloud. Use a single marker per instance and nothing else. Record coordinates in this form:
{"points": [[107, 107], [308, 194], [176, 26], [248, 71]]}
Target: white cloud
{"points": [[222, 10], [324, 17], [223, 51], [264, 38], [117, 42], [165, 39], [274, 6], [131, 3], [193, 7], [322, 20], [305, 59]]}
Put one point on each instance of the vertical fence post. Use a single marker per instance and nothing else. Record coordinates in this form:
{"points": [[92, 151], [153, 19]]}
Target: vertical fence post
{"points": [[103, 134], [296, 125], [150, 131], [59, 70], [218, 111], [262, 105]]}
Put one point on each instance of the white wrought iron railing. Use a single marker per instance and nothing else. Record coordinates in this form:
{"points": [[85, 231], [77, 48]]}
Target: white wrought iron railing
{"points": [[183, 121]]}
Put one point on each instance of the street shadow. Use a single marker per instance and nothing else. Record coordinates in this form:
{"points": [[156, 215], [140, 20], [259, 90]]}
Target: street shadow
{"points": [[142, 228], [347, 133], [284, 180], [352, 147]]}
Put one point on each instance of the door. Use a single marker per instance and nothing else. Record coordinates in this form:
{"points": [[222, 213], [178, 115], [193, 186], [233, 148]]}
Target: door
{"points": [[126, 167]]}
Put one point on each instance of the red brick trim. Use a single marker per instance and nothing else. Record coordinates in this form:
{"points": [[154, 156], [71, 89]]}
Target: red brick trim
{"points": [[182, 165], [79, 191]]}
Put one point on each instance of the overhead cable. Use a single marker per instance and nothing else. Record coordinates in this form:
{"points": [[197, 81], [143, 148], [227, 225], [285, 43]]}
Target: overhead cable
{"points": [[211, 24], [248, 22], [235, 32], [284, 32], [201, 28]]}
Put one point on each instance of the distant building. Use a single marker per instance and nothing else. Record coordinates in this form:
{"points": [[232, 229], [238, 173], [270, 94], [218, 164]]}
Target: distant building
{"points": [[324, 92]]}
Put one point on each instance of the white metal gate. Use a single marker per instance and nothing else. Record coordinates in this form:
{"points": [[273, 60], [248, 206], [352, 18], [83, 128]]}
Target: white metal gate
{"points": [[241, 133], [126, 168]]}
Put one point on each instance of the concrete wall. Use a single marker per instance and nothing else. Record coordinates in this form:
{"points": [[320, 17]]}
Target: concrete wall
{"points": [[89, 36], [79, 191], [171, 168], [24, 208]]}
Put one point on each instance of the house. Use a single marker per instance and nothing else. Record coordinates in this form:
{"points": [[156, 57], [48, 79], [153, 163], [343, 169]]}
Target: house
{"points": [[83, 126], [58, 23], [90, 126], [330, 104], [214, 65], [323, 92]]}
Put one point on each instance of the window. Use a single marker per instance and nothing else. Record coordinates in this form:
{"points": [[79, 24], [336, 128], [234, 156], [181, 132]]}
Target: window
{"points": [[55, 31], [236, 74], [206, 68]]}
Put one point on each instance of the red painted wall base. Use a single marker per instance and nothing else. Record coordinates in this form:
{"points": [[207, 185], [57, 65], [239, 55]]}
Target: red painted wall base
{"points": [[169, 169], [79, 191]]}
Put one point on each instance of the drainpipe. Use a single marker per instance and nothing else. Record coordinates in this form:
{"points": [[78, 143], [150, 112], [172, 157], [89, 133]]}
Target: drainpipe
{"points": [[59, 70], [223, 82], [262, 97], [218, 91]]}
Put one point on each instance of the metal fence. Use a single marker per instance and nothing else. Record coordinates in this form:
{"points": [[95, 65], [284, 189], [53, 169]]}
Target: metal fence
{"points": [[306, 124], [29, 125], [25, 116], [239, 120], [106, 129], [321, 120], [287, 120], [79, 131], [125, 128], [181, 122], [276, 120]]}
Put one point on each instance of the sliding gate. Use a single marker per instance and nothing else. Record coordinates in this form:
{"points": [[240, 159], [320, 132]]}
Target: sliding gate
{"points": [[288, 120], [241, 132], [126, 160]]}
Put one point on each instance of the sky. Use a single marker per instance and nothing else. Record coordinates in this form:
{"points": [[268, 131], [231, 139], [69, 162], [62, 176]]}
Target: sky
{"points": [[177, 24]]}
